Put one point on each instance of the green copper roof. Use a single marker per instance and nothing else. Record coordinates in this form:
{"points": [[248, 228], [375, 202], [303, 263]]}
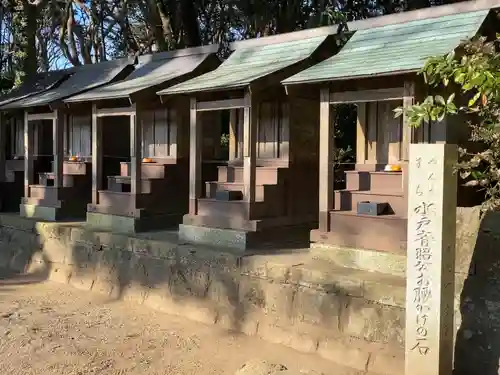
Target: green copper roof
{"points": [[82, 78], [249, 62], [151, 70], [397, 48]]}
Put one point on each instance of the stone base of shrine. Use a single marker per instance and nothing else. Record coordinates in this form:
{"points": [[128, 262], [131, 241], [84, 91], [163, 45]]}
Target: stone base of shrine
{"points": [[344, 304], [129, 224], [296, 236], [60, 211], [33, 211], [352, 317]]}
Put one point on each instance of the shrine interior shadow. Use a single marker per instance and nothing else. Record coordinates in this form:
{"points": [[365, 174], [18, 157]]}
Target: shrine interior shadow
{"points": [[477, 347]]}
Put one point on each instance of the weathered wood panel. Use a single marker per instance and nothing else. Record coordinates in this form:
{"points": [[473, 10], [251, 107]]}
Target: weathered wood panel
{"points": [[17, 137], [371, 138], [239, 129], [389, 133], [264, 127], [172, 133], [148, 134], [159, 133], [79, 136], [273, 130], [361, 134], [284, 132]]}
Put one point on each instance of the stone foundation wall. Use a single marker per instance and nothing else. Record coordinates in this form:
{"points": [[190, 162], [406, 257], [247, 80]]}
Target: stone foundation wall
{"points": [[292, 300], [350, 316]]}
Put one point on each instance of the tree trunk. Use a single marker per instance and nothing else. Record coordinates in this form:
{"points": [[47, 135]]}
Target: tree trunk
{"points": [[189, 16], [30, 65]]}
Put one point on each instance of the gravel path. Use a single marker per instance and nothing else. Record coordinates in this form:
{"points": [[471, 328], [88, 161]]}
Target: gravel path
{"points": [[48, 328]]}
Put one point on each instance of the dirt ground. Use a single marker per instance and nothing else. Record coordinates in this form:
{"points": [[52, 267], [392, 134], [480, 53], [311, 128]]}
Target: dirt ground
{"points": [[48, 328]]}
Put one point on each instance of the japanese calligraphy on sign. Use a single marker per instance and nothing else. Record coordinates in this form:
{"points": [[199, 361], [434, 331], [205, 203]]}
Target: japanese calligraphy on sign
{"points": [[425, 213], [425, 248]]}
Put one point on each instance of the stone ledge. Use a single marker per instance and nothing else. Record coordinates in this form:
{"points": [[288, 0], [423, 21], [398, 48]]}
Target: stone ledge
{"points": [[293, 299], [39, 212], [310, 302], [214, 236], [131, 225]]}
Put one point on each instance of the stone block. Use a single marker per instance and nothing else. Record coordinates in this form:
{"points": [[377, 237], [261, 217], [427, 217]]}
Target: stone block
{"points": [[37, 212], [387, 362], [373, 322], [120, 224], [59, 231], [251, 293], [20, 260], [255, 265], [287, 336], [213, 236], [249, 326], [104, 287], [134, 292], [468, 227], [195, 309], [139, 270], [223, 288], [385, 293], [109, 259], [317, 276], [238, 320], [157, 272], [82, 278], [84, 255], [159, 298], [376, 261], [60, 273], [317, 307], [228, 319], [200, 311], [123, 267], [81, 234], [56, 251], [6, 255], [189, 280], [279, 272], [18, 222], [215, 258], [162, 249], [279, 299], [344, 352], [38, 265], [24, 241]]}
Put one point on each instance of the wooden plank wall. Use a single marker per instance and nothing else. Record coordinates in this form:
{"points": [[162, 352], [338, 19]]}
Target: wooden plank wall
{"points": [[17, 145], [79, 136], [159, 137], [273, 130], [389, 134], [384, 133]]}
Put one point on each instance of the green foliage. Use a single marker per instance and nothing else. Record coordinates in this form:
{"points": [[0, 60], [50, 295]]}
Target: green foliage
{"points": [[224, 141], [434, 108], [474, 74]]}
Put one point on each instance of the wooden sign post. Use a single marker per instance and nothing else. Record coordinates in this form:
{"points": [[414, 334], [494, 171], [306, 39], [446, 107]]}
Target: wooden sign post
{"points": [[432, 201]]}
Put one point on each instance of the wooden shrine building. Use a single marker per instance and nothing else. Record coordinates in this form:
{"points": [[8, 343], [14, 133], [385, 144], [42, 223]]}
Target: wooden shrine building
{"points": [[12, 138], [59, 186], [144, 186], [267, 190], [376, 71]]}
